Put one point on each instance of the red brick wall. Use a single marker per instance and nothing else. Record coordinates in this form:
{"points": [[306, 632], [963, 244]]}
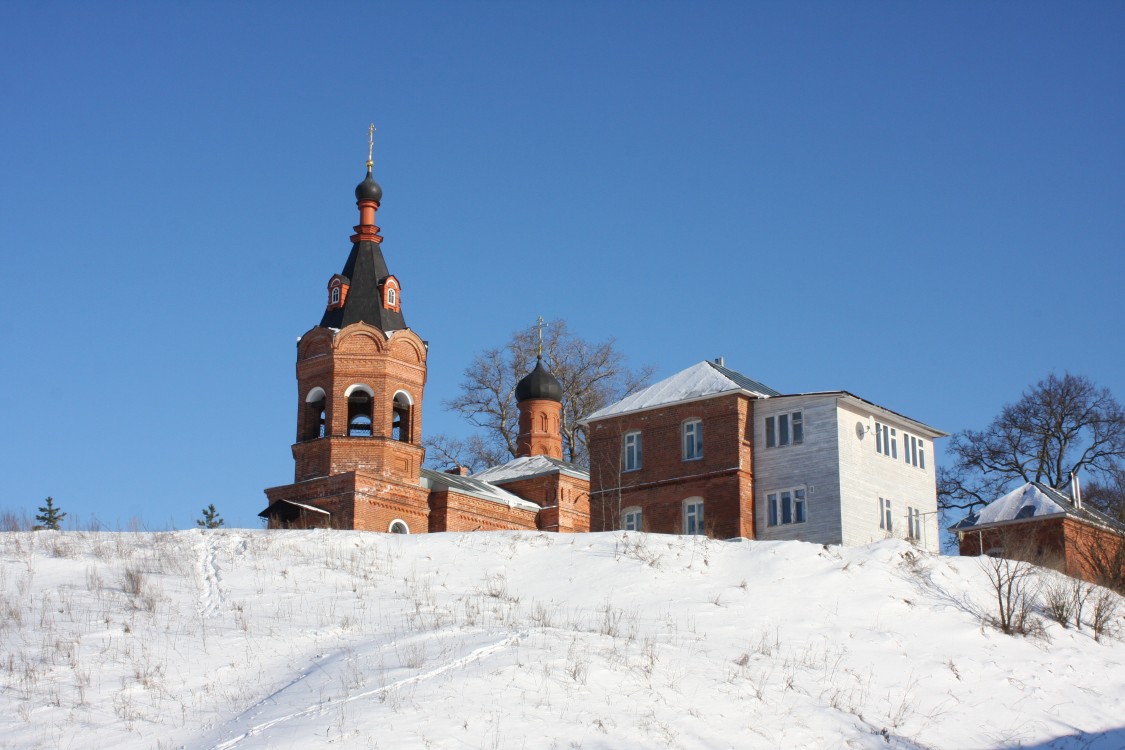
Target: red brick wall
{"points": [[1061, 543], [359, 354], [536, 438], [452, 511], [360, 501], [723, 477], [565, 500]]}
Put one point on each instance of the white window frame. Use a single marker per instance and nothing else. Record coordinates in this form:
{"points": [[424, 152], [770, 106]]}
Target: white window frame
{"points": [[392, 296], [631, 519], [335, 295], [886, 440], [693, 517], [913, 450], [631, 451], [886, 516], [790, 503], [785, 429], [692, 439], [392, 524], [913, 523]]}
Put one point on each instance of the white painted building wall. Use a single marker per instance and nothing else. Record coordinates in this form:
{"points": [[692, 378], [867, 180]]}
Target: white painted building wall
{"points": [[813, 464], [843, 474], [867, 475]]}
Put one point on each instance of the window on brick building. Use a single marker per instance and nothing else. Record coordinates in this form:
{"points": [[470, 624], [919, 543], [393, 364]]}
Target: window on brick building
{"points": [[398, 527], [787, 506], [401, 419], [693, 439], [631, 519], [631, 451], [335, 300], [693, 516], [314, 417], [359, 411], [785, 429]]}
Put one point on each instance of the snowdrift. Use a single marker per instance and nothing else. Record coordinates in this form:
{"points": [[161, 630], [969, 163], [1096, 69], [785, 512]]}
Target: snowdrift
{"points": [[308, 639]]}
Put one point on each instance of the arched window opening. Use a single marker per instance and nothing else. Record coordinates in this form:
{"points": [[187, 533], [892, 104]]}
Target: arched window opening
{"points": [[359, 413], [392, 297], [400, 422], [399, 527], [313, 423], [335, 295], [542, 422]]}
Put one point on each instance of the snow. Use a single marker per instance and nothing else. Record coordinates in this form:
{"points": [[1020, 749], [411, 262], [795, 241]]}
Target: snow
{"points": [[475, 488], [1008, 508], [522, 468], [237, 639], [696, 381]]}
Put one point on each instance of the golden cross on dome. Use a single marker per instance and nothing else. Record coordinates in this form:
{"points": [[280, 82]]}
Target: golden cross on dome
{"points": [[539, 325], [370, 145]]}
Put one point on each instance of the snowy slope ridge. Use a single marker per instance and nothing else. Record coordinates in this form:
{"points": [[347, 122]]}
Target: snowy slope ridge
{"points": [[232, 640]]}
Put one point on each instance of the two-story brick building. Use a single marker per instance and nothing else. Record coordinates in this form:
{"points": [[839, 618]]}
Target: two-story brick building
{"points": [[711, 451]]}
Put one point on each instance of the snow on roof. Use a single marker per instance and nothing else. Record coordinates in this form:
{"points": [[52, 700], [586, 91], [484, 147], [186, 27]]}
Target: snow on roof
{"points": [[530, 466], [474, 487], [1028, 501], [1034, 500], [310, 508], [698, 381]]}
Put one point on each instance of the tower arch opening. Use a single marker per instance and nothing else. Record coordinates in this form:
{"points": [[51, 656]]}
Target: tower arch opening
{"points": [[360, 409], [402, 417], [314, 419]]}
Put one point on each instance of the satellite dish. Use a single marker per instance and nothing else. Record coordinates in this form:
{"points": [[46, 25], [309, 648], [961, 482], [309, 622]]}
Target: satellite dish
{"points": [[860, 430]]}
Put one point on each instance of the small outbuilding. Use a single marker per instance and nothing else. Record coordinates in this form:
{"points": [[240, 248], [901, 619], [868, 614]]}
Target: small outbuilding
{"points": [[1044, 525]]}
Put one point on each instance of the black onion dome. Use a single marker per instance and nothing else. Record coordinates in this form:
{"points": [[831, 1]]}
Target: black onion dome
{"points": [[368, 190], [539, 384]]}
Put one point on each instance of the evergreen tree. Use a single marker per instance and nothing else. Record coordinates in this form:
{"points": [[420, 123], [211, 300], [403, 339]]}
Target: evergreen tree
{"points": [[49, 516], [211, 518]]}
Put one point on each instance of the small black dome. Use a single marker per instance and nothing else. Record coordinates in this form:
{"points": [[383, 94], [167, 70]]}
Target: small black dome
{"points": [[539, 384], [368, 190]]}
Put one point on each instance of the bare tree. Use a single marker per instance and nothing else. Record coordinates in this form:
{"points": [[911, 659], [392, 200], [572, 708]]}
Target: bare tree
{"points": [[1058, 427], [1014, 583], [592, 375], [1103, 613], [1107, 495]]}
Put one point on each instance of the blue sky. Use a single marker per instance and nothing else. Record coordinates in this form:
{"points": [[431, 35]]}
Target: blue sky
{"points": [[922, 204]]}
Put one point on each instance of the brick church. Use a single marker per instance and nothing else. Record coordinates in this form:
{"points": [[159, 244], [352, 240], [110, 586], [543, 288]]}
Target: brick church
{"points": [[361, 375], [826, 467]]}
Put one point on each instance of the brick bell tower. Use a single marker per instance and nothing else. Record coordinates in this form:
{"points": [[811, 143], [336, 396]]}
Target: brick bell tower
{"points": [[539, 400], [360, 377]]}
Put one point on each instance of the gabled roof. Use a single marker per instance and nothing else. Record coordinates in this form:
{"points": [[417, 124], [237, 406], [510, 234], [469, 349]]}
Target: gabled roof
{"points": [[366, 270], [701, 380], [473, 487], [526, 467], [1033, 500]]}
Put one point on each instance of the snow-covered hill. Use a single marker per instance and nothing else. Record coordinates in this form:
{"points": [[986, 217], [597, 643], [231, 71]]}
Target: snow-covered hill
{"points": [[306, 639]]}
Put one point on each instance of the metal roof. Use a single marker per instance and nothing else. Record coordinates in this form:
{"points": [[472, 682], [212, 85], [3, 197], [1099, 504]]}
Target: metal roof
{"points": [[744, 382], [525, 467], [1031, 501], [472, 487]]}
